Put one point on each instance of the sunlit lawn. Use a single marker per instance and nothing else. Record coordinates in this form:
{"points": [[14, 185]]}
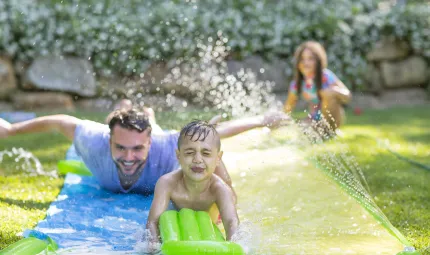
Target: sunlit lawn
{"points": [[400, 189]]}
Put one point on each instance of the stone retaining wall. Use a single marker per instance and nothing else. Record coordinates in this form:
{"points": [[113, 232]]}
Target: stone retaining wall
{"points": [[396, 76]]}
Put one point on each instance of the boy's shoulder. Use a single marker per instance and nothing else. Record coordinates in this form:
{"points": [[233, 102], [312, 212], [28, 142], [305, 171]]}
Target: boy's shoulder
{"points": [[218, 184], [170, 177]]}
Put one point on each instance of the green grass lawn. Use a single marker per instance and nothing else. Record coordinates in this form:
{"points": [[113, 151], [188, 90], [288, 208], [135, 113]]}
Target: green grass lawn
{"points": [[399, 188]]}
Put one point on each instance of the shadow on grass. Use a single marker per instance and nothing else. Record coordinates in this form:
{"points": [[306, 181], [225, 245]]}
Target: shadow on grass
{"points": [[40, 141], [398, 188], [418, 138], [409, 116], [26, 204]]}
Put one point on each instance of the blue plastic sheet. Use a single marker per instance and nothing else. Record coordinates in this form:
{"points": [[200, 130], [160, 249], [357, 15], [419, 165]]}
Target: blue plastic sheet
{"points": [[14, 117], [85, 215]]}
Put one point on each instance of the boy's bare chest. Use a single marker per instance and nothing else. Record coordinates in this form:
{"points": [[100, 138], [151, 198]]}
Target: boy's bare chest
{"points": [[201, 202]]}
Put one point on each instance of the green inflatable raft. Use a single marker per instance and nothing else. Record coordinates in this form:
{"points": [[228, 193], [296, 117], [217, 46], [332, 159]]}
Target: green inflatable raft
{"points": [[35, 243], [192, 232]]}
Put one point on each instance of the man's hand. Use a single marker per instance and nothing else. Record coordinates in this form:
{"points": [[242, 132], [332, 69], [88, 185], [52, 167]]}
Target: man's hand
{"points": [[215, 120], [5, 128], [275, 119]]}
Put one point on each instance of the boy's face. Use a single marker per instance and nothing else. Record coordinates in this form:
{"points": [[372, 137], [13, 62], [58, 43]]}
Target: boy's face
{"points": [[199, 159]]}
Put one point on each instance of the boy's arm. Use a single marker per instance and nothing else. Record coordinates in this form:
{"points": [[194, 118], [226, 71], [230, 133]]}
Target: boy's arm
{"points": [[159, 204], [64, 124], [227, 207]]}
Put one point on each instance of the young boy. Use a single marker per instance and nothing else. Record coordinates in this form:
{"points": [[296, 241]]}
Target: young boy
{"points": [[194, 186]]}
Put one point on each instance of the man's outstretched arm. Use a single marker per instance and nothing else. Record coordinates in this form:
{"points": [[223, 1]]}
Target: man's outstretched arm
{"points": [[237, 126], [64, 124], [222, 172]]}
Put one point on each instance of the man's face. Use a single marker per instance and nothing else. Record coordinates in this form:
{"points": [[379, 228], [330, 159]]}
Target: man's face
{"points": [[129, 149], [199, 159]]}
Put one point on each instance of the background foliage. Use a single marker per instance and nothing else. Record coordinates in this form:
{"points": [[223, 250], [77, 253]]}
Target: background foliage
{"points": [[126, 36]]}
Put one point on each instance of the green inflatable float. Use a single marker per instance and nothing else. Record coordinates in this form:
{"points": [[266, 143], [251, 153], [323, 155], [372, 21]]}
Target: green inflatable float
{"points": [[35, 243], [74, 167], [192, 232]]}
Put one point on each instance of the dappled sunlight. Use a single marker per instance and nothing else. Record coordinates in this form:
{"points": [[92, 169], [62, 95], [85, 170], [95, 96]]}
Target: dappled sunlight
{"points": [[27, 204], [296, 207], [28, 192], [408, 140], [380, 131]]}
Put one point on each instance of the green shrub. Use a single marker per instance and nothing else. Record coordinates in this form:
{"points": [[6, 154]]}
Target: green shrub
{"points": [[126, 36]]}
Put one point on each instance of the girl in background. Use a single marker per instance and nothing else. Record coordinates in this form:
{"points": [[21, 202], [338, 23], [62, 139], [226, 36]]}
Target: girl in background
{"points": [[324, 93]]}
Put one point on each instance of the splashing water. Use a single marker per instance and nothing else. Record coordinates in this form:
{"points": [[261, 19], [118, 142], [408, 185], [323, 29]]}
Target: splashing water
{"points": [[208, 80], [26, 161], [343, 168], [248, 236], [143, 245], [204, 81], [305, 199]]}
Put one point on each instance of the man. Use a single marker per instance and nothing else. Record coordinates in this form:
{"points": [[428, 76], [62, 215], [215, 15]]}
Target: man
{"points": [[124, 156]]}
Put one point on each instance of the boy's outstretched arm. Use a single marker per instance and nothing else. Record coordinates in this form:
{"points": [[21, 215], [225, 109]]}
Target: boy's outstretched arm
{"points": [[225, 201], [159, 204]]}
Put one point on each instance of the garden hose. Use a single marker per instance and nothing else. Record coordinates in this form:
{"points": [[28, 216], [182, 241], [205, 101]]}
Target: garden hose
{"points": [[401, 157]]}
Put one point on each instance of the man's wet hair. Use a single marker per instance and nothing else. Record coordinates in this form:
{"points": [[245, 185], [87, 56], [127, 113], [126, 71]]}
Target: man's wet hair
{"points": [[198, 130], [132, 119]]}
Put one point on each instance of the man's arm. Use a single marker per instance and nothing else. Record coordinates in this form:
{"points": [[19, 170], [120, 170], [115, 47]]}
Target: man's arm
{"points": [[4, 128], [64, 124], [227, 209], [237, 126], [222, 172], [159, 204]]}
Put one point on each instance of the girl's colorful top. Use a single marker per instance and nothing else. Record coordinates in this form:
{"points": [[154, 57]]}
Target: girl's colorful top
{"points": [[309, 92]]}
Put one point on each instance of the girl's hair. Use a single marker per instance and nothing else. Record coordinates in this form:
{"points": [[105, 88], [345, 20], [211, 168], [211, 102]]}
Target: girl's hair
{"points": [[321, 57]]}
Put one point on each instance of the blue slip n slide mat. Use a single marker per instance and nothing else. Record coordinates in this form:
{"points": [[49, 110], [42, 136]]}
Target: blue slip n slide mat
{"points": [[85, 215], [14, 117]]}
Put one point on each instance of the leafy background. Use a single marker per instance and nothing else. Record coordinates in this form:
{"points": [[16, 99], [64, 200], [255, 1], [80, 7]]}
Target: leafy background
{"points": [[126, 36]]}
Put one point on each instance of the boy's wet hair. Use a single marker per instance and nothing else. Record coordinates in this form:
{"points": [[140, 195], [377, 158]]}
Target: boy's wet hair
{"points": [[198, 130], [132, 119]]}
